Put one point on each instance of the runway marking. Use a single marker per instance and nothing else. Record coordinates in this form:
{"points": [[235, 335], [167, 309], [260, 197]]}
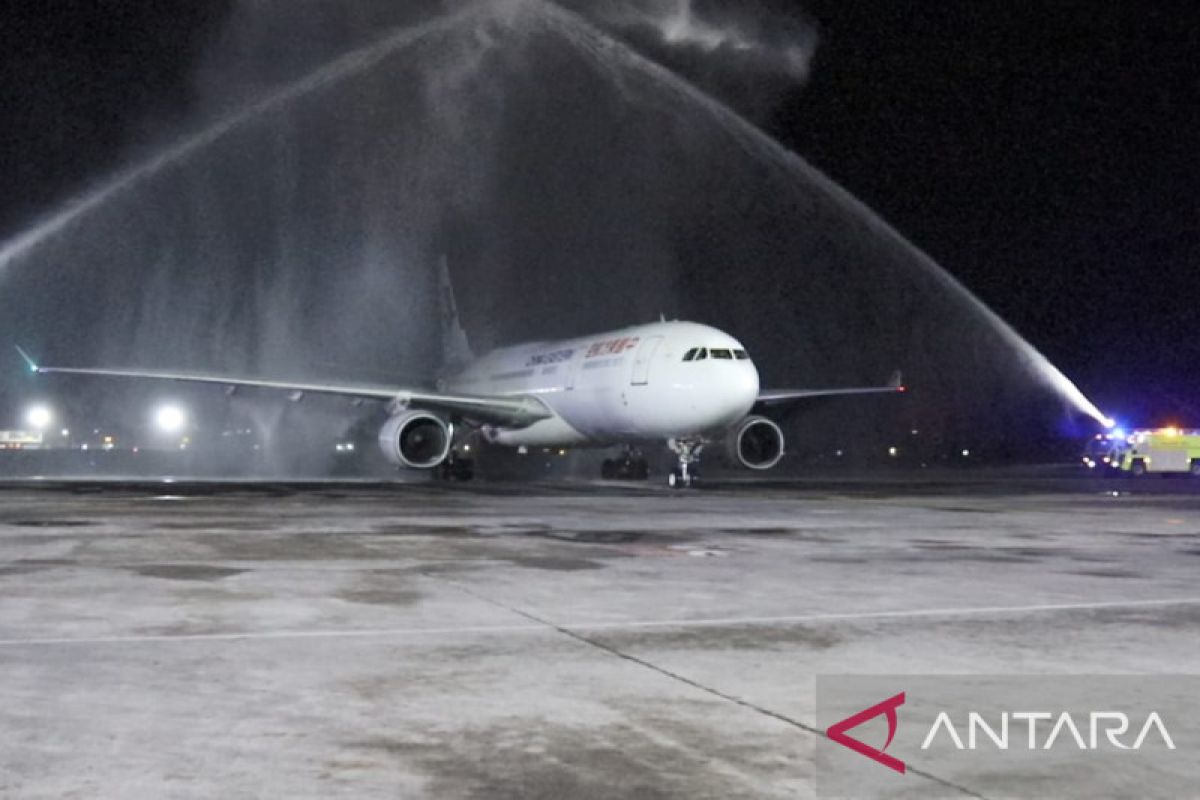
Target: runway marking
{"points": [[602, 626], [612, 650]]}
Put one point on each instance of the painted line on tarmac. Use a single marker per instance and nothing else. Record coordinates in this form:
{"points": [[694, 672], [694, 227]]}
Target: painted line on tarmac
{"points": [[850, 616], [604, 626]]}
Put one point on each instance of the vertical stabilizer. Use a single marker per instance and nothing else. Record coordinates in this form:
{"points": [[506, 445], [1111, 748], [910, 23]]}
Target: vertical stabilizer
{"points": [[456, 351]]}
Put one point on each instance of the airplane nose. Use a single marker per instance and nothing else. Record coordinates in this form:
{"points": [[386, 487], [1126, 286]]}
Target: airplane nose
{"points": [[741, 390], [749, 384]]}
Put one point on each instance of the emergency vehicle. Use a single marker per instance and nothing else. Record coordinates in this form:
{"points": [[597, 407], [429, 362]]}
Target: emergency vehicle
{"points": [[1163, 450]]}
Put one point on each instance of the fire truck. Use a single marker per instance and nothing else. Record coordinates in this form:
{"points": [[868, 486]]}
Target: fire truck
{"points": [[1163, 450]]}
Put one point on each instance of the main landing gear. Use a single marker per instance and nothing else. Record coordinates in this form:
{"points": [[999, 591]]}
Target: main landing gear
{"points": [[631, 466], [683, 474], [456, 468]]}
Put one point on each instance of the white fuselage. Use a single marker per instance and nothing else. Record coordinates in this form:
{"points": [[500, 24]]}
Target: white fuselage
{"points": [[626, 385]]}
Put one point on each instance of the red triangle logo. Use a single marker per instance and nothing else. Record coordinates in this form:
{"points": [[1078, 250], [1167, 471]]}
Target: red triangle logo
{"points": [[837, 732]]}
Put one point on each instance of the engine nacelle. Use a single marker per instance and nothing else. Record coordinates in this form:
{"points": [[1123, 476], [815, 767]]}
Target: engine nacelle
{"points": [[755, 443], [416, 439]]}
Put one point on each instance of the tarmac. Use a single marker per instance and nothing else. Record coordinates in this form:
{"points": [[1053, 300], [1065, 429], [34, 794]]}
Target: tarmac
{"points": [[571, 640]]}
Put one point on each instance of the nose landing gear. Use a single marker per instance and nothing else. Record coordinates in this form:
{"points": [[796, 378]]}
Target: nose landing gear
{"points": [[683, 474]]}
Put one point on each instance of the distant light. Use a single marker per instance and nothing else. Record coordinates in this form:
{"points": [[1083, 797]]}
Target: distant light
{"points": [[466, 448], [66, 432], [893, 452], [170, 418], [1171, 431], [350, 446], [915, 432], [966, 453], [39, 417], [1119, 433]]}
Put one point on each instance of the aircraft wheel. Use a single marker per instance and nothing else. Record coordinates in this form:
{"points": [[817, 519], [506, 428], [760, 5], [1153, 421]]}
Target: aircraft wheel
{"points": [[1138, 469]]}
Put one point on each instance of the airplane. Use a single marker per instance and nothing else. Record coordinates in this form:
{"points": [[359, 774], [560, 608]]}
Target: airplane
{"points": [[683, 383]]}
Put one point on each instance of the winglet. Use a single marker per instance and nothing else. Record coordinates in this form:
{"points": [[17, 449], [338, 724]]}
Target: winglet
{"points": [[33, 367]]}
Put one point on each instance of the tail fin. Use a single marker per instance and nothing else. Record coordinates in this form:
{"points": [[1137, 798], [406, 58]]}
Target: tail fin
{"points": [[456, 350]]}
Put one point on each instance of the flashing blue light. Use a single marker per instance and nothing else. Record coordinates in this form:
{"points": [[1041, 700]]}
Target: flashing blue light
{"points": [[1118, 433], [33, 367]]}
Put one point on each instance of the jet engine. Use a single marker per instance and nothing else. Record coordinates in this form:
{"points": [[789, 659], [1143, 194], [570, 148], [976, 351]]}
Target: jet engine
{"points": [[416, 439], [755, 443]]}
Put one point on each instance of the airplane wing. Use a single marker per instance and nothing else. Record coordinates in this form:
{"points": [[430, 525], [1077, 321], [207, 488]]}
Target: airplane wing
{"points": [[770, 397], [515, 411]]}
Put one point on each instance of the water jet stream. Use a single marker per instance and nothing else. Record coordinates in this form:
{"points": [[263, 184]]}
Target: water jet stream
{"points": [[604, 50], [339, 69]]}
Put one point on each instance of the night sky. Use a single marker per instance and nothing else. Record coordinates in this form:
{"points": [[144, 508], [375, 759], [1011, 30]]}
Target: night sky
{"points": [[1044, 153]]}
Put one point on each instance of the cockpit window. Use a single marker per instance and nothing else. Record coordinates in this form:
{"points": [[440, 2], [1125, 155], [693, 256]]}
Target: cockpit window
{"points": [[721, 353], [701, 354], [690, 354], [740, 355]]}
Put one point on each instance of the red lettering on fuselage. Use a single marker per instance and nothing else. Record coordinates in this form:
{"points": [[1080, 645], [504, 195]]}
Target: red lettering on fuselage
{"points": [[611, 347]]}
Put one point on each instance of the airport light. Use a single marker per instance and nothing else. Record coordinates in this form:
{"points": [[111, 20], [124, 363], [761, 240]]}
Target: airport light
{"points": [[39, 417], [170, 418]]}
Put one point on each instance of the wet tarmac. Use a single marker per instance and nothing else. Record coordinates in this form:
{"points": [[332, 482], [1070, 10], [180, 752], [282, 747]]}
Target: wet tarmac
{"points": [[551, 641]]}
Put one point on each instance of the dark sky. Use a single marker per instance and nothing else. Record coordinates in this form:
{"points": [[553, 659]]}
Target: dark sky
{"points": [[1044, 153]]}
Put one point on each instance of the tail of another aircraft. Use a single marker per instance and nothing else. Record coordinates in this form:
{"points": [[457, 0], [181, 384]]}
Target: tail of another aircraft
{"points": [[456, 350]]}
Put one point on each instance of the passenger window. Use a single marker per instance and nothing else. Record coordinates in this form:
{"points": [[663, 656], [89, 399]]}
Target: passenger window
{"points": [[740, 355], [703, 354], [725, 354], [690, 354]]}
